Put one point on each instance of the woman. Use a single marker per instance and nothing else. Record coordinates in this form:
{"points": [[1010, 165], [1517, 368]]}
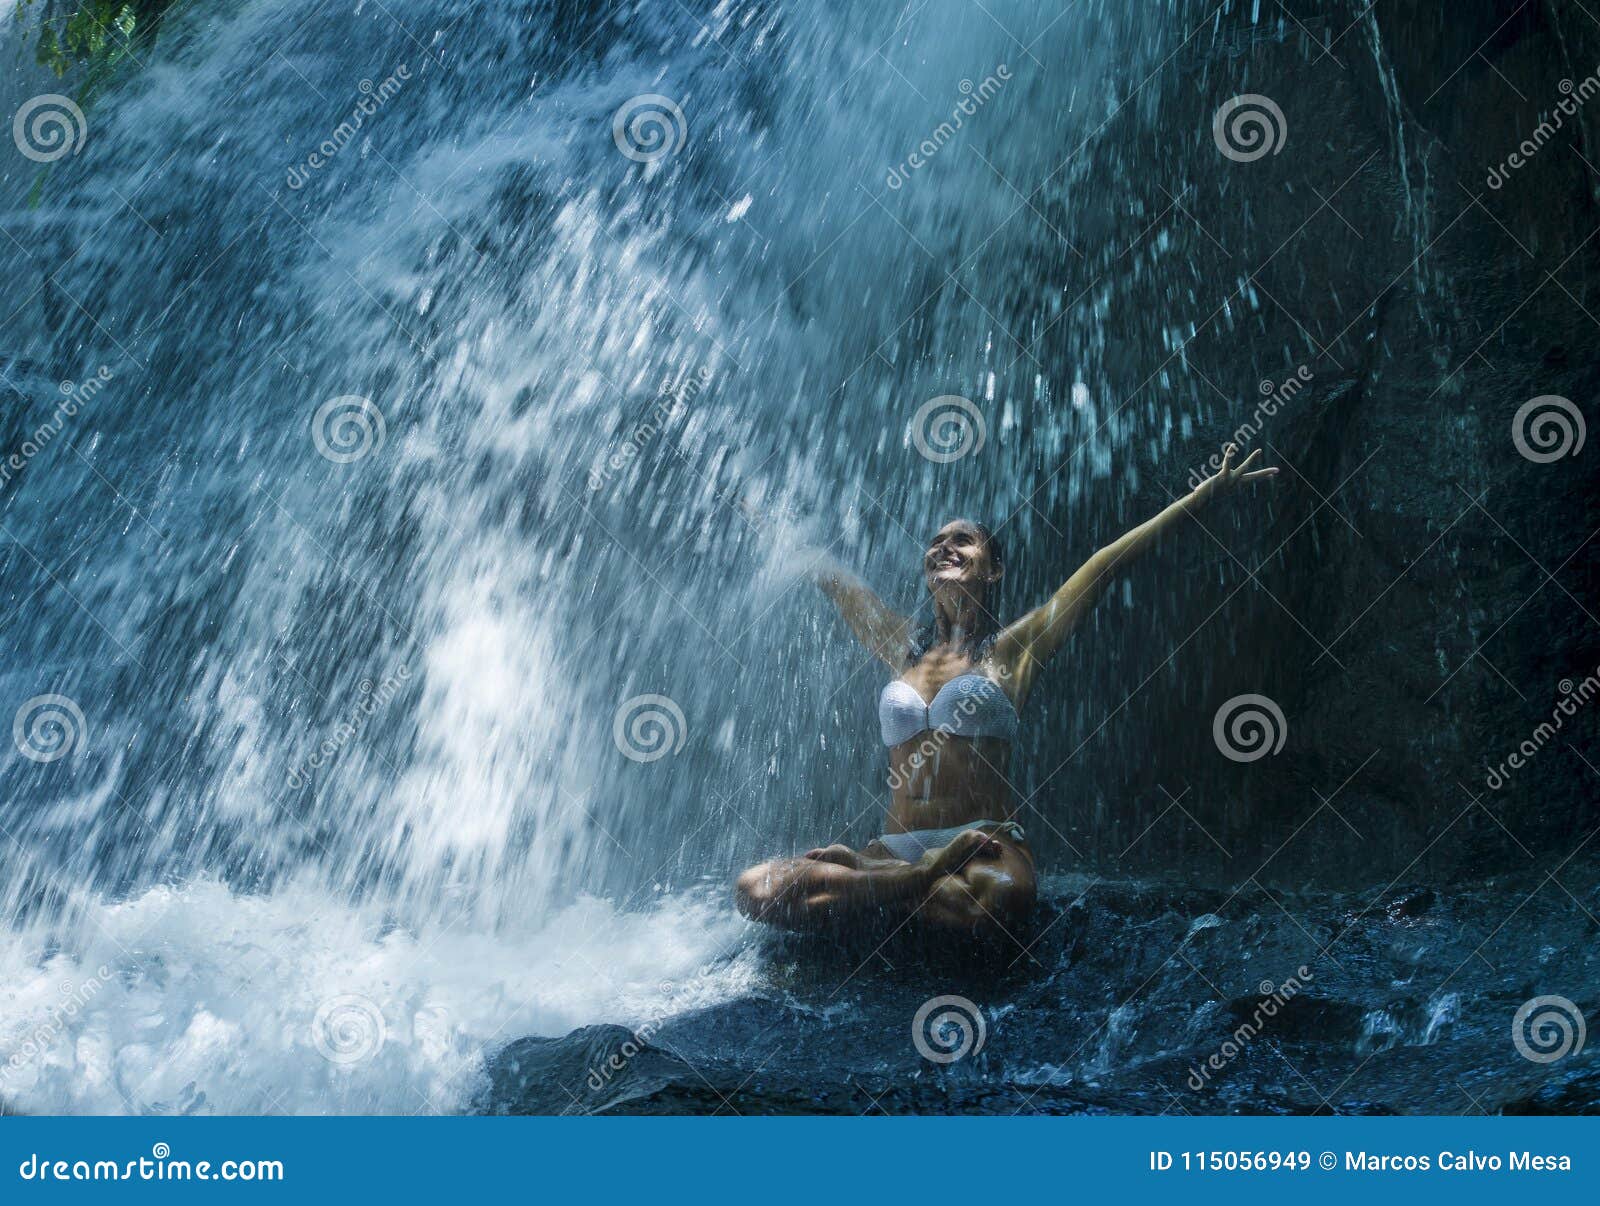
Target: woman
{"points": [[951, 857]]}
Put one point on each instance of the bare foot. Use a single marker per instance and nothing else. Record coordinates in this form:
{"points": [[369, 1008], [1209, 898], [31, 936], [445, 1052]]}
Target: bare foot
{"points": [[842, 855]]}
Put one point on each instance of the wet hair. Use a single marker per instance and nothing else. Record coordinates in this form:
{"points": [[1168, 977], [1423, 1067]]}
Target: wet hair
{"points": [[978, 643]]}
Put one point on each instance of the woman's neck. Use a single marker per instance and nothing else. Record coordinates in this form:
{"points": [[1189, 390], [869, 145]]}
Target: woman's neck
{"points": [[958, 620]]}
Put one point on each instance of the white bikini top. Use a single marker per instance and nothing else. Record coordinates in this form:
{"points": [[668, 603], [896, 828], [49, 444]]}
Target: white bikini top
{"points": [[969, 705]]}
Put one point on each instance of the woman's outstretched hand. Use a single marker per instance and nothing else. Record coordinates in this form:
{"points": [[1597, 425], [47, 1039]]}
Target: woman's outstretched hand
{"points": [[1230, 476]]}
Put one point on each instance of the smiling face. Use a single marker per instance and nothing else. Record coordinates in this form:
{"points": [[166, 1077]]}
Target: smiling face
{"points": [[961, 555]]}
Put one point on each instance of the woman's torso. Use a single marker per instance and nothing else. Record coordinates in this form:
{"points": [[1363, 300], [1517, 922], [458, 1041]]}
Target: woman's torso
{"points": [[939, 778]]}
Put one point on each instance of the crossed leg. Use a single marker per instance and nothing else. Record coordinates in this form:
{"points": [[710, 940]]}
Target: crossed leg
{"points": [[980, 884]]}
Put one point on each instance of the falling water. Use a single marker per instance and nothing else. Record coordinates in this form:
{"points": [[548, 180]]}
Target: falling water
{"points": [[380, 519]]}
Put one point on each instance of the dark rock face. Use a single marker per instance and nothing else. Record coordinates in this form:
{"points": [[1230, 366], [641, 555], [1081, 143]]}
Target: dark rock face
{"points": [[1425, 594]]}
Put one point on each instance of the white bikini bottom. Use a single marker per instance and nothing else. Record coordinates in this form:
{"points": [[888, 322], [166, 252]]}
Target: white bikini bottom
{"points": [[913, 845]]}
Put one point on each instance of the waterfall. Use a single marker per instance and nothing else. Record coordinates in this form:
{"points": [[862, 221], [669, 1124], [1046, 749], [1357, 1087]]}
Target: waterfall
{"points": [[439, 350]]}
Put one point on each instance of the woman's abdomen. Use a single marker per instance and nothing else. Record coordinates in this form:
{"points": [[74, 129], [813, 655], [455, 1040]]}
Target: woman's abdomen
{"points": [[937, 780]]}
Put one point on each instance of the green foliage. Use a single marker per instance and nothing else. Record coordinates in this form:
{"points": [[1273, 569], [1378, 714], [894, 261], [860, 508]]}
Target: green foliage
{"points": [[92, 39], [95, 36]]}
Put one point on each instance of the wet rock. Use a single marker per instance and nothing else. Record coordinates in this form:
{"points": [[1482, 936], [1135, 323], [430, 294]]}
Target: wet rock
{"points": [[1411, 904], [586, 1072], [1389, 586]]}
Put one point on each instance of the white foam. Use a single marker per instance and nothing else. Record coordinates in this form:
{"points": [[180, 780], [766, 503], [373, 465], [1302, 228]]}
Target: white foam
{"points": [[197, 1000]]}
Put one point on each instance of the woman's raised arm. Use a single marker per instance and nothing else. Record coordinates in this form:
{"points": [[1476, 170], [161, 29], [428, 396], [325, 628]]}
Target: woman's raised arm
{"points": [[1025, 646], [882, 630]]}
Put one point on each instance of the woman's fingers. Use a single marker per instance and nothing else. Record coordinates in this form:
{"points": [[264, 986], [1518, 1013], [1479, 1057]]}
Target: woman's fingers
{"points": [[1250, 477], [1249, 460], [1227, 459], [963, 848]]}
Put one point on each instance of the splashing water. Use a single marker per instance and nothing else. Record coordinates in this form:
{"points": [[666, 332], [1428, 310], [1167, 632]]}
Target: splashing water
{"points": [[370, 533]]}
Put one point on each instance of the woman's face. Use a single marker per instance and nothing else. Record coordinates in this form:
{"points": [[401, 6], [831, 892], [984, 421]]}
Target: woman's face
{"points": [[958, 555]]}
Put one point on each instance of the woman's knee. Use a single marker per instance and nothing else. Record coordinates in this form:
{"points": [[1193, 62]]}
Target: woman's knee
{"points": [[1010, 884], [985, 900], [1011, 899]]}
